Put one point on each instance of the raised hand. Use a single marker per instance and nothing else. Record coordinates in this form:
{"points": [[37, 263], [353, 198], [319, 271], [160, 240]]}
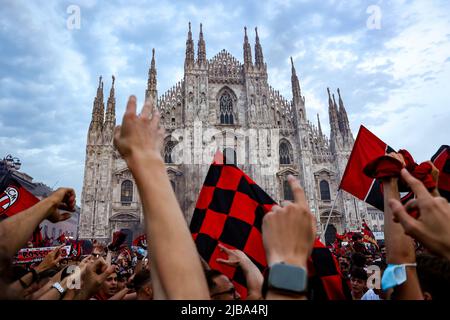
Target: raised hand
{"points": [[51, 260], [93, 275], [235, 257], [61, 199], [289, 231], [432, 227], [139, 137]]}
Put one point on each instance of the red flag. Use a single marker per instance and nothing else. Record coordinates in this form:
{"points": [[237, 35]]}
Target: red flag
{"points": [[229, 211], [368, 235], [367, 147], [15, 199]]}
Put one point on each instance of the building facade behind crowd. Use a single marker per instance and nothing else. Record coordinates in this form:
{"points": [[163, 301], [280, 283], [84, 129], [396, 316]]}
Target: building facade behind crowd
{"points": [[226, 104]]}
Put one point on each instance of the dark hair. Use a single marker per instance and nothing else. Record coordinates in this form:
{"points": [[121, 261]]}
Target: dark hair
{"points": [[434, 276], [141, 278], [358, 260], [359, 273]]}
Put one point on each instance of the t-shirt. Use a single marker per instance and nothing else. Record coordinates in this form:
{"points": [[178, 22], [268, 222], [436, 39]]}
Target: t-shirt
{"points": [[370, 295]]}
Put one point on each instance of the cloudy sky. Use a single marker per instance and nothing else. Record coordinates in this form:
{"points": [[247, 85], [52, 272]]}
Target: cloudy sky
{"points": [[394, 79]]}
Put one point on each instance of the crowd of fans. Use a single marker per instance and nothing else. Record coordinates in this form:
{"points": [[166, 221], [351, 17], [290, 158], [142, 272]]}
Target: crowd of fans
{"points": [[413, 263]]}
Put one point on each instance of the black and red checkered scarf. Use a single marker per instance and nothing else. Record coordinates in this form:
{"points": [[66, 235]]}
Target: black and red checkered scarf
{"points": [[229, 211]]}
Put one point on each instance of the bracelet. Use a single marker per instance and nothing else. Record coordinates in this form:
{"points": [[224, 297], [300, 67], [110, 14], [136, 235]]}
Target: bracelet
{"points": [[59, 288], [409, 264]]}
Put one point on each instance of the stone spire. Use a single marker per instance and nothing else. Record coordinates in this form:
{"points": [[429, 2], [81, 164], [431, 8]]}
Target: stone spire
{"points": [[259, 58], [189, 59], [98, 106], [247, 50], [296, 92], [111, 106], [201, 52], [319, 126], [333, 114], [344, 124], [151, 91]]}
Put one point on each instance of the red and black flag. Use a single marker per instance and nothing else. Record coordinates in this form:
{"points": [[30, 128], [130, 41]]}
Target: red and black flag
{"points": [[368, 235], [441, 160], [325, 281], [367, 147], [230, 211], [14, 199]]}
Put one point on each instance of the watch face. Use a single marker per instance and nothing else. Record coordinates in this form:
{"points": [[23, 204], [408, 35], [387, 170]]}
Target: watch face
{"points": [[287, 277]]}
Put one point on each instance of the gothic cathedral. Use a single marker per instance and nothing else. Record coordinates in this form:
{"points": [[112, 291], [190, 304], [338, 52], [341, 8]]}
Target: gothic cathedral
{"points": [[222, 103]]}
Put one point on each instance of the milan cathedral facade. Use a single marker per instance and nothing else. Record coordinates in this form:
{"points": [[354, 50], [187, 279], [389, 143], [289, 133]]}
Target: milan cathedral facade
{"points": [[222, 104]]}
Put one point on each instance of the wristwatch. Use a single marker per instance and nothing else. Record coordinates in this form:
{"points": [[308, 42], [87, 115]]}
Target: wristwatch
{"points": [[286, 278], [59, 287]]}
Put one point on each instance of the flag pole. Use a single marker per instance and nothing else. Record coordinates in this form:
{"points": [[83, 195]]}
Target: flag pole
{"points": [[329, 216]]}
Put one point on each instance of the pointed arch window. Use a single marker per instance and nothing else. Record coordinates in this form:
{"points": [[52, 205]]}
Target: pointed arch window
{"points": [[126, 192], [325, 190], [168, 150], [285, 153], [226, 108]]}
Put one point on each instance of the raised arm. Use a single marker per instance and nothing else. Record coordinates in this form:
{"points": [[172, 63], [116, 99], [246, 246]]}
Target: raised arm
{"points": [[16, 230], [432, 227], [399, 246], [288, 235], [253, 276], [174, 256]]}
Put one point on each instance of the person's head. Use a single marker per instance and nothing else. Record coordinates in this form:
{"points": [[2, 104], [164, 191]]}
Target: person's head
{"points": [[143, 285], [358, 260], [358, 280], [434, 276], [109, 286], [369, 259], [122, 278], [220, 287], [344, 265]]}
